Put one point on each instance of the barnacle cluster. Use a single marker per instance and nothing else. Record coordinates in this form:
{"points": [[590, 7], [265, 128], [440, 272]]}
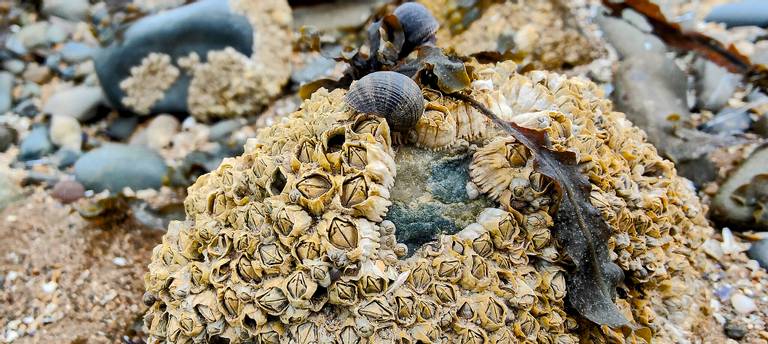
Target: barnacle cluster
{"points": [[544, 33], [225, 82], [292, 242]]}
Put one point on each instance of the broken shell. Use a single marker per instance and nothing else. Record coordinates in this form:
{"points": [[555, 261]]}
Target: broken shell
{"points": [[390, 95]]}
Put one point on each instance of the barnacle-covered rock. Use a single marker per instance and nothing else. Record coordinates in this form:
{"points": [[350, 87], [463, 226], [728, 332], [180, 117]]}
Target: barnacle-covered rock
{"points": [[544, 33], [324, 231], [168, 62]]}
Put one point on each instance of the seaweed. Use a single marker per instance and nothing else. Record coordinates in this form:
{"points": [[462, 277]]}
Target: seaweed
{"points": [[579, 227]]}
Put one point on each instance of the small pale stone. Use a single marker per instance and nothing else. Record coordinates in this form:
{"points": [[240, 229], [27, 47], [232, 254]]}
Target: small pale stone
{"points": [[119, 261], [743, 304], [66, 132], [49, 287]]}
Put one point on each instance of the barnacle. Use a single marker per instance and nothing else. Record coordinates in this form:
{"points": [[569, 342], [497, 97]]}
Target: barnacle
{"points": [[305, 238]]}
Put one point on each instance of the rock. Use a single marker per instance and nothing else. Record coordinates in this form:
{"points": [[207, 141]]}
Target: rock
{"points": [[75, 52], [761, 126], [728, 122], [160, 131], [34, 35], [10, 191], [8, 137], [198, 163], [651, 89], [37, 73], [75, 10], [223, 129], [78, 102], [314, 69], [14, 66], [738, 202], [68, 191], [743, 304], [66, 132], [740, 13], [759, 252], [734, 330], [714, 85], [26, 108], [195, 25], [64, 158], [121, 128], [116, 166], [35, 145], [628, 39], [6, 90]]}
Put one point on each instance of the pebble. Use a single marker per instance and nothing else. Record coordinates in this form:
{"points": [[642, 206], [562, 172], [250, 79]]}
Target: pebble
{"points": [[79, 102], [121, 128], [68, 191], [223, 129], [66, 133], [35, 145], [714, 85], [120, 261], [75, 10], [728, 122], [628, 39], [14, 66], [64, 158], [743, 304], [8, 137], [6, 92], [160, 131], [75, 52], [34, 35], [37, 73], [759, 252], [740, 13], [734, 330], [49, 287], [200, 27], [116, 166], [26, 108]]}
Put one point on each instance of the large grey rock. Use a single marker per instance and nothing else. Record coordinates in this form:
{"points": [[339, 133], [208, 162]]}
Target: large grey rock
{"points": [[714, 85], [6, 89], [35, 145], [198, 27], [116, 166], [68, 9], [759, 252], [79, 102]]}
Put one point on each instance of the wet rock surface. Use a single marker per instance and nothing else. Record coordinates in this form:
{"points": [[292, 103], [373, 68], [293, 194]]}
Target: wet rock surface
{"points": [[36, 144]]}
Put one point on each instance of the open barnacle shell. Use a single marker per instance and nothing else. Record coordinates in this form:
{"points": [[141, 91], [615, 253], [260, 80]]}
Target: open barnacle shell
{"points": [[360, 196], [314, 190]]}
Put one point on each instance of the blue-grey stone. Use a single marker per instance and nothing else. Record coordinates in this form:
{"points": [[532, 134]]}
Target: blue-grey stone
{"points": [[79, 102], [26, 108], [741, 13], [759, 252], [198, 27], [121, 128], [75, 10], [223, 129], [8, 136], [64, 158], [116, 166], [14, 66], [36, 144], [74, 52], [6, 89]]}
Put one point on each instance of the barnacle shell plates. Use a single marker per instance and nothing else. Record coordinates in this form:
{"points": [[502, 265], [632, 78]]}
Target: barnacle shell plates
{"points": [[296, 241]]}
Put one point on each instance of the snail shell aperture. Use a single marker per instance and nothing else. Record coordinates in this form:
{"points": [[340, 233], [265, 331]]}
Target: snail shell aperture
{"points": [[391, 95], [419, 25]]}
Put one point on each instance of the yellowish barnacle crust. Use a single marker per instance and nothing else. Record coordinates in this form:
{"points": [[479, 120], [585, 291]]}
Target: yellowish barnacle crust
{"points": [[291, 242], [148, 82], [545, 33]]}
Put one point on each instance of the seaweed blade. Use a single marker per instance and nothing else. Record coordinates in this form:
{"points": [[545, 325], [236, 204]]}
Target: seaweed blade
{"points": [[579, 227]]}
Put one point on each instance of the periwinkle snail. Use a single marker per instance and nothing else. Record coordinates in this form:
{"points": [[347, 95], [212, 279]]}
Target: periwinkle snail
{"points": [[390, 95], [419, 25]]}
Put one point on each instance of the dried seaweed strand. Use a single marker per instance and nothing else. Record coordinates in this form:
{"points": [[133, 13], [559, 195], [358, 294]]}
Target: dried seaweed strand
{"points": [[592, 285]]}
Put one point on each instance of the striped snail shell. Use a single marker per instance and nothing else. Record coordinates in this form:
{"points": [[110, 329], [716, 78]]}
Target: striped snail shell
{"points": [[390, 95], [419, 25]]}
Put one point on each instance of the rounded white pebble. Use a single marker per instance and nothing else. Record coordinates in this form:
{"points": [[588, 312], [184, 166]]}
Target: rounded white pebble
{"points": [[743, 304], [49, 287], [119, 261]]}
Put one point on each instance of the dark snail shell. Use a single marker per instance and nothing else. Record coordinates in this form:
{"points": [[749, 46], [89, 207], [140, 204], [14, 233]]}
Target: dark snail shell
{"points": [[390, 95], [419, 25]]}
